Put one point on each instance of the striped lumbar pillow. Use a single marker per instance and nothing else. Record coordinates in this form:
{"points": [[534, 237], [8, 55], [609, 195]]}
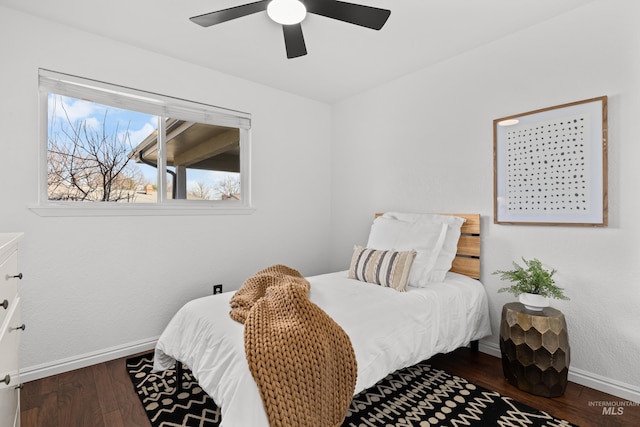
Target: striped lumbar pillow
{"points": [[385, 268]]}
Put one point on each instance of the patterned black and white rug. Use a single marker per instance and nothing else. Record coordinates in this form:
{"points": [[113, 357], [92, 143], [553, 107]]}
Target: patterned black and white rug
{"points": [[417, 396], [192, 407]]}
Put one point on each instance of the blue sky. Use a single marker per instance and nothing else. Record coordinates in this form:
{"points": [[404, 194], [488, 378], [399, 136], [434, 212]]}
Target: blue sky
{"points": [[140, 124]]}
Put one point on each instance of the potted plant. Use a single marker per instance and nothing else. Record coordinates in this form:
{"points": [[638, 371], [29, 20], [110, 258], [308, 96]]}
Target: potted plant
{"points": [[533, 285]]}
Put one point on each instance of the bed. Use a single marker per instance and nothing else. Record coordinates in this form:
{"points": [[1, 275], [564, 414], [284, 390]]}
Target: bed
{"points": [[389, 330]]}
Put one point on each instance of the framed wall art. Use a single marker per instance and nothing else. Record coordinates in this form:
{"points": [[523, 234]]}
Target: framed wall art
{"points": [[550, 165]]}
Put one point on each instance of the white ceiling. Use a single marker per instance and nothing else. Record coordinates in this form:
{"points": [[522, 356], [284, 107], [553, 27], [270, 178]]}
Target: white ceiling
{"points": [[342, 59]]}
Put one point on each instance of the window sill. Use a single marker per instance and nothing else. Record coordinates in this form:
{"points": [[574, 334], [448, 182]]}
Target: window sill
{"points": [[91, 209]]}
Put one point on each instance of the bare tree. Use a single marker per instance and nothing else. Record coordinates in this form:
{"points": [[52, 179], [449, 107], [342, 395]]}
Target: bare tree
{"points": [[89, 164], [200, 190], [228, 188]]}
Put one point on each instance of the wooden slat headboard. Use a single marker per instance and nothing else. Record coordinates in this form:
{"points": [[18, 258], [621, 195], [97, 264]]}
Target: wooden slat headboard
{"points": [[467, 260]]}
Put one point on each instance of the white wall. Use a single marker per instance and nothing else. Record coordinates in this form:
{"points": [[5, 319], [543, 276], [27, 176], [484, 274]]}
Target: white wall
{"points": [[93, 284], [424, 143]]}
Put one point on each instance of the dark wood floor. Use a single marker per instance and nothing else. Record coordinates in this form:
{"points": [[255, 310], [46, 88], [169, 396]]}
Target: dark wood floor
{"points": [[102, 395], [577, 405], [98, 396]]}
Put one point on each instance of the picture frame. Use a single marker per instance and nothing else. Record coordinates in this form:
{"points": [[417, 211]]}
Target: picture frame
{"points": [[550, 165]]}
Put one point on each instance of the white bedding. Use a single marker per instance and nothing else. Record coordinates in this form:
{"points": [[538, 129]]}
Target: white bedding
{"points": [[389, 330]]}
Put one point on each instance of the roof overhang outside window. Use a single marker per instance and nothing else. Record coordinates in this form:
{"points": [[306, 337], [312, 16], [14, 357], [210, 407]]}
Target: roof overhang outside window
{"points": [[194, 145]]}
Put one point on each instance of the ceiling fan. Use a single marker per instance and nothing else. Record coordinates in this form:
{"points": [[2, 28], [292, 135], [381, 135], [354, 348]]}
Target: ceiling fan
{"points": [[290, 14]]}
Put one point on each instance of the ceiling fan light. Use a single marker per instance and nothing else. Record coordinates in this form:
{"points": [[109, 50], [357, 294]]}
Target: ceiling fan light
{"points": [[286, 12]]}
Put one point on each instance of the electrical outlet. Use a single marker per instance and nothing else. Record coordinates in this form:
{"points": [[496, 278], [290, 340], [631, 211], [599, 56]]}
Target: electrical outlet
{"points": [[217, 289]]}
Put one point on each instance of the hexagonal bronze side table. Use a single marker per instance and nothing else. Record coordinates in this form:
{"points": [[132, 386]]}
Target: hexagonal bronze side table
{"points": [[535, 349]]}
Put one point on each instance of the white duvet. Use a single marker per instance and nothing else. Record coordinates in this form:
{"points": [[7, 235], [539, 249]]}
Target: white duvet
{"points": [[389, 330]]}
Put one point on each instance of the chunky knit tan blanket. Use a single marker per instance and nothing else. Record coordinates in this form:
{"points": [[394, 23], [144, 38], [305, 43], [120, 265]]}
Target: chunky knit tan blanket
{"points": [[301, 359]]}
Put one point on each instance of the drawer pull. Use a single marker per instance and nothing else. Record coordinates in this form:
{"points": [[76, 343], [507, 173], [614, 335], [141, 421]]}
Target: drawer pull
{"points": [[23, 326], [5, 304], [6, 380], [17, 276]]}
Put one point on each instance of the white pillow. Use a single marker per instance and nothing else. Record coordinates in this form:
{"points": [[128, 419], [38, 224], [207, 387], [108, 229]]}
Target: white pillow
{"points": [[425, 238], [450, 245]]}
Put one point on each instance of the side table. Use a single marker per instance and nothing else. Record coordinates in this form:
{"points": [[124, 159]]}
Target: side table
{"points": [[535, 349]]}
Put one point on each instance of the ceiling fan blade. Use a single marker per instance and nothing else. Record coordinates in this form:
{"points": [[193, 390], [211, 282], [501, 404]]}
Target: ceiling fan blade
{"points": [[294, 40], [365, 16], [212, 18]]}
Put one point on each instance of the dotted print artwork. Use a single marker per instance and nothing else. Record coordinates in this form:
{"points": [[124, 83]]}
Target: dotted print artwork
{"points": [[547, 164]]}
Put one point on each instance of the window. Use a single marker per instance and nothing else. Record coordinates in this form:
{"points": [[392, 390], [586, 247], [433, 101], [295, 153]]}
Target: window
{"points": [[108, 145]]}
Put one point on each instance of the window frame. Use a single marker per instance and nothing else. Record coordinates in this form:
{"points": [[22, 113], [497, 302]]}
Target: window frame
{"points": [[150, 103]]}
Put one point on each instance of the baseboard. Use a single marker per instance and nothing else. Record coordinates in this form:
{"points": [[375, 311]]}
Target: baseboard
{"points": [[582, 377], [605, 385], [33, 373], [489, 348]]}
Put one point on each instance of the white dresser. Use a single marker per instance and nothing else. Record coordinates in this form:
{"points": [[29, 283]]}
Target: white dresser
{"points": [[11, 328]]}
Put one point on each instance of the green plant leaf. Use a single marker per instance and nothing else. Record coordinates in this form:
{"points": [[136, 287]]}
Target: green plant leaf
{"points": [[534, 279]]}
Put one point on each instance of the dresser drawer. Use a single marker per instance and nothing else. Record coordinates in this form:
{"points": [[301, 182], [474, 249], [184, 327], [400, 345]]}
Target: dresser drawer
{"points": [[8, 283], [9, 406], [9, 365], [9, 347]]}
